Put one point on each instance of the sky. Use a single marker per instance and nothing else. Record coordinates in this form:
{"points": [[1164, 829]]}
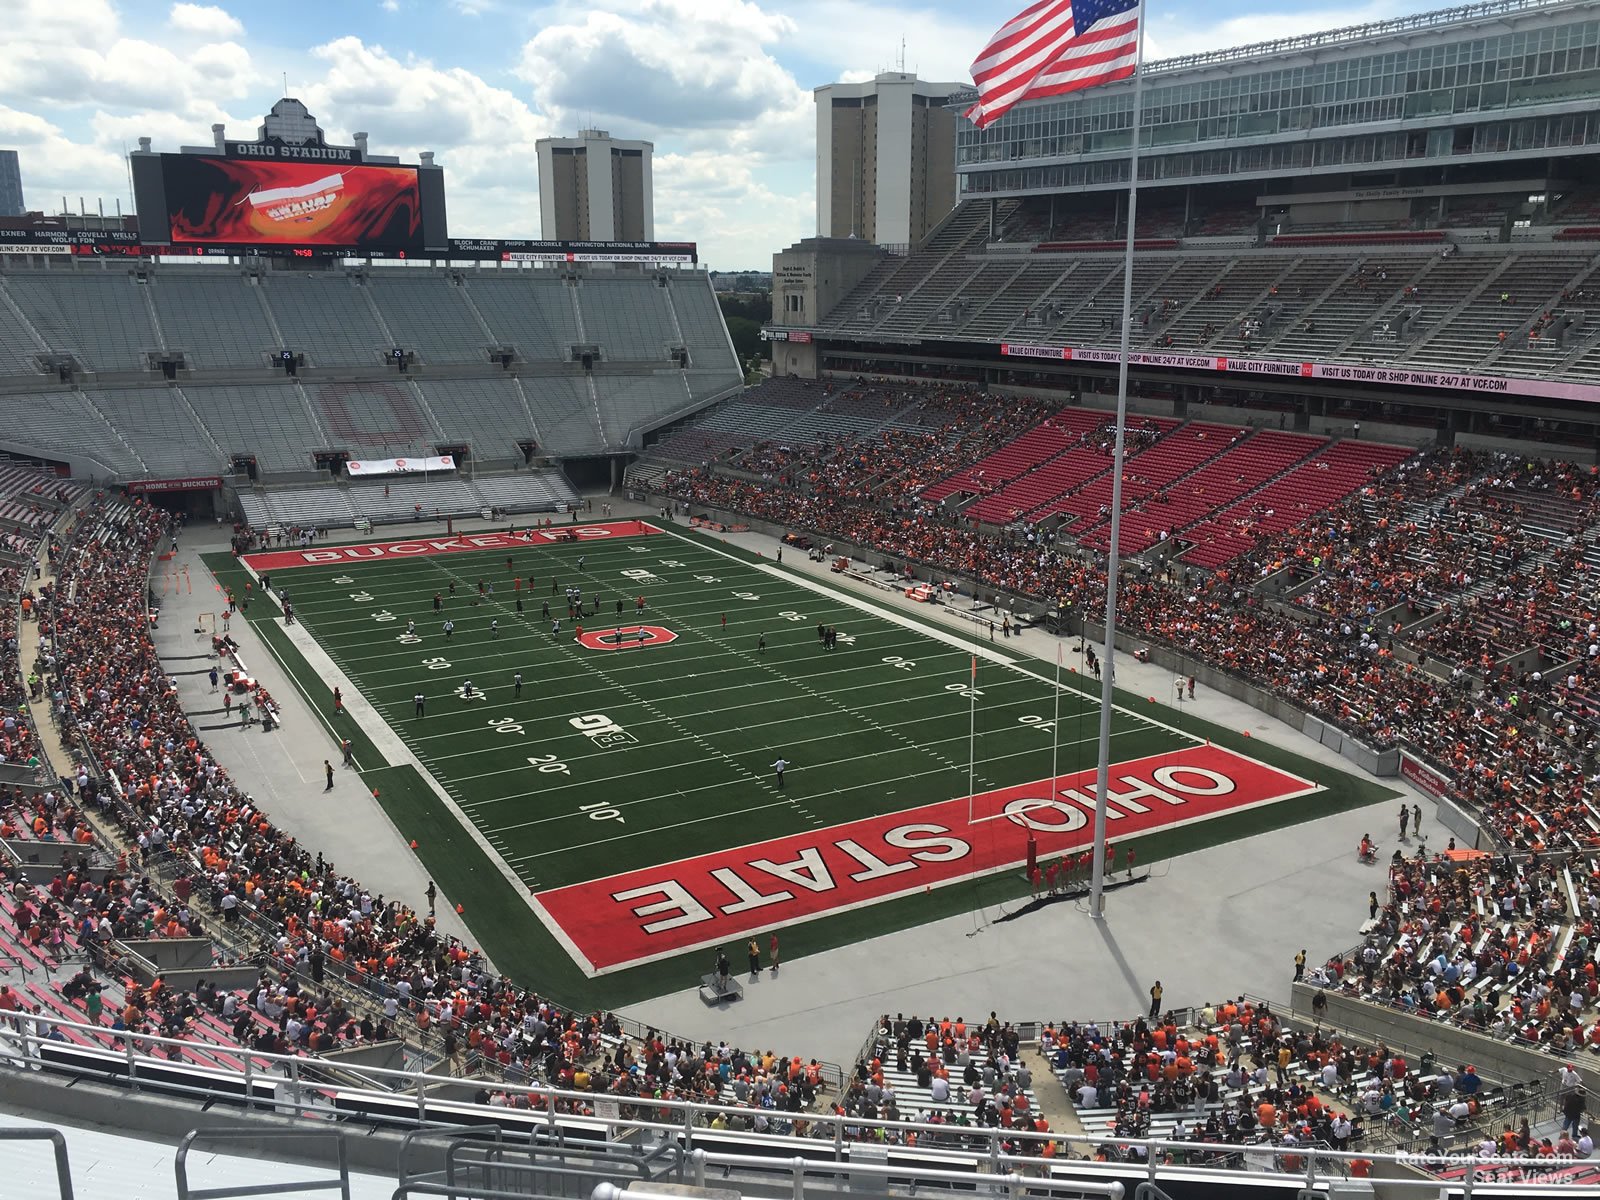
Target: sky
{"points": [[721, 87]]}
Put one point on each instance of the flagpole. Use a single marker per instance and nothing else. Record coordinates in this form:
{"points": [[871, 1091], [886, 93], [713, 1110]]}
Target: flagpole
{"points": [[1118, 457], [972, 737], [1055, 728]]}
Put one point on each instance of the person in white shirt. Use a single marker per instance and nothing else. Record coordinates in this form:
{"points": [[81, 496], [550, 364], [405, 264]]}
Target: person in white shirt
{"points": [[1088, 1096], [940, 1089], [1567, 1080], [1585, 1142]]}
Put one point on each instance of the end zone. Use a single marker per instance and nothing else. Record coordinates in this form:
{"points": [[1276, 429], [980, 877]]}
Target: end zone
{"points": [[423, 547], [655, 912]]}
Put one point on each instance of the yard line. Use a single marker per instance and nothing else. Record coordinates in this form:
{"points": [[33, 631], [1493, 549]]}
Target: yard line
{"points": [[793, 770], [605, 841], [632, 725], [737, 767]]}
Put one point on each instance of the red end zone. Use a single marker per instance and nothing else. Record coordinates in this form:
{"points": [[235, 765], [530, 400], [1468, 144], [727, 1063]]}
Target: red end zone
{"points": [[553, 535], [639, 916]]}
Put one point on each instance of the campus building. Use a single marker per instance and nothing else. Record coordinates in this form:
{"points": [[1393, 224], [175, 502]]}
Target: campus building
{"points": [[596, 188], [885, 158]]}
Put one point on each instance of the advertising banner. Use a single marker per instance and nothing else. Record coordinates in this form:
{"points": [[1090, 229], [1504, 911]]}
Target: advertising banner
{"points": [[1345, 372], [400, 466]]}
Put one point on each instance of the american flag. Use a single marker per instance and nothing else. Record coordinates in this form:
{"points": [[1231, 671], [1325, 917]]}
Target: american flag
{"points": [[1054, 47]]}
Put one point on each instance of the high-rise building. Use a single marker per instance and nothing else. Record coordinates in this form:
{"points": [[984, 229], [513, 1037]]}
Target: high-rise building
{"points": [[886, 158], [595, 188], [10, 184]]}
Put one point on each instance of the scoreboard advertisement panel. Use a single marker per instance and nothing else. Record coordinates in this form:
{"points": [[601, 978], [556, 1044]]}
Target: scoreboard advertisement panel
{"points": [[236, 202], [524, 250]]}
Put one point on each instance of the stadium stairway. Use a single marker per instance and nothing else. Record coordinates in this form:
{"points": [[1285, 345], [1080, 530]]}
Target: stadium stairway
{"points": [[1027, 287], [1469, 333], [1448, 286], [58, 757]]}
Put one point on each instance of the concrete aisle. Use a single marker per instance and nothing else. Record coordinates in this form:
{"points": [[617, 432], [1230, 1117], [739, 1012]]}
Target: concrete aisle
{"points": [[282, 770]]}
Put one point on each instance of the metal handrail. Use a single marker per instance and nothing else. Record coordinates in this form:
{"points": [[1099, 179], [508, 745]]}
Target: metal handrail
{"points": [[682, 1121], [57, 1142], [180, 1163]]}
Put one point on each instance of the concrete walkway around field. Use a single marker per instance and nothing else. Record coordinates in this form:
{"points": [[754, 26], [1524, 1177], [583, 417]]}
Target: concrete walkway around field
{"points": [[282, 770]]}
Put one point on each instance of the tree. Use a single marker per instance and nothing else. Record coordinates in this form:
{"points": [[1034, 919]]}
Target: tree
{"points": [[746, 336]]}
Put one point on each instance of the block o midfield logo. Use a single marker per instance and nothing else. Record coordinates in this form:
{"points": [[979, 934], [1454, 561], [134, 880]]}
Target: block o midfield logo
{"points": [[626, 637]]}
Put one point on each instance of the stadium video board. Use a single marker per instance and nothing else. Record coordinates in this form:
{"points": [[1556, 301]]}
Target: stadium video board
{"points": [[200, 204]]}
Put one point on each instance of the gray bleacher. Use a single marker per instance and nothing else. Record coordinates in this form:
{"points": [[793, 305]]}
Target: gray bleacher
{"points": [[487, 414], [446, 494], [629, 402], [64, 425], [161, 429], [705, 384], [564, 413], [754, 422], [628, 316], [397, 497], [216, 319], [269, 421], [1531, 283], [100, 316], [254, 507], [373, 415], [428, 314], [17, 344], [529, 310], [1031, 288], [700, 320], [527, 491], [826, 427], [326, 318], [322, 504]]}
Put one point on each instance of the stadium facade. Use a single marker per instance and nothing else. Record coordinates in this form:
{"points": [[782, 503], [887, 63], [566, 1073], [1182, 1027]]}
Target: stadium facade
{"points": [[1393, 223]]}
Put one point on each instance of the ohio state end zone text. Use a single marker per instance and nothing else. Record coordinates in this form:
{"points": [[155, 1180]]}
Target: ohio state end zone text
{"points": [[643, 915]]}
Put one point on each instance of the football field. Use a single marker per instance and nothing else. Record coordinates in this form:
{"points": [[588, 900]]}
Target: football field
{"points": [[629, 786]]}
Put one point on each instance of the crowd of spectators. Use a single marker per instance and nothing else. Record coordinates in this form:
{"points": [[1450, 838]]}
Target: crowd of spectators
{"points": [[1233, 1077], [1491, 944], [313, 924], [1516, 744]]}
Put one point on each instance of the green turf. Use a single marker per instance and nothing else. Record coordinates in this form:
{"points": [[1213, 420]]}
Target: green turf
{"points": [[878, 725]]}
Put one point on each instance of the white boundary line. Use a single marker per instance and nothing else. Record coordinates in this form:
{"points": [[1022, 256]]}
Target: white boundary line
{"points": [[388, 743], [952, 640], [306, 644]]}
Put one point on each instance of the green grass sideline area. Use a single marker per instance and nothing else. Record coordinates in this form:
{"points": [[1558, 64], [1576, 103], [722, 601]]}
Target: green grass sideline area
{"points": [[630, 785]]}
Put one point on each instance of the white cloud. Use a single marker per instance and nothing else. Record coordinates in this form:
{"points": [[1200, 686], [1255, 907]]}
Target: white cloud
{"points": [[737, 218], [483, 135], [1192, 32], [733, 129], [663, 65], [56, 166], [206, 20], [939, 44]]}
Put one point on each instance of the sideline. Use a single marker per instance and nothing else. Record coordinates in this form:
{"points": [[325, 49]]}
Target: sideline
{"points": [[389, 743]]}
